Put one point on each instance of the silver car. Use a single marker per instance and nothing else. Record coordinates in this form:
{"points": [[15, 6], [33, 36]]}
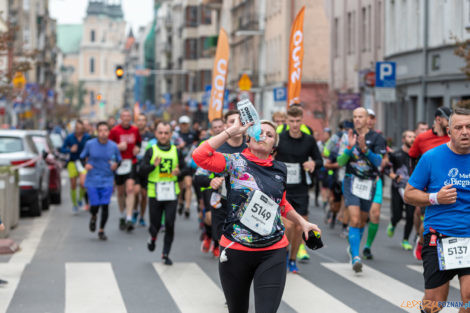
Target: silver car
{"points": [[18, 149]]}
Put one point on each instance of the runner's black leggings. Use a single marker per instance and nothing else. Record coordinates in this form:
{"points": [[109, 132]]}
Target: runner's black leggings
{"points": [[156, 209], [267, 270], [104, 213], [397, 205]]}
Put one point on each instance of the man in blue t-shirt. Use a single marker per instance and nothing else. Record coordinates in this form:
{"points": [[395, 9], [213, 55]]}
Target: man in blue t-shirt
{"points": [[102, 157], [441, 183]]}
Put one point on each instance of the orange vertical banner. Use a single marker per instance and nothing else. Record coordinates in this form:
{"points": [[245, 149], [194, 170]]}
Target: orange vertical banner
{"points": [[136, 111], [296, 56], [219, 76]]}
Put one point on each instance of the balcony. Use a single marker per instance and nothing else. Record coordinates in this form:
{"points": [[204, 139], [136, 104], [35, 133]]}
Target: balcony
{"points": [[248, 24]]}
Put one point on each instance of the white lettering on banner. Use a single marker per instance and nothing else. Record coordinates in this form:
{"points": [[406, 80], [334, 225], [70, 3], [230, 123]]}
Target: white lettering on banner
{"points": [[298, 38], [219, 82]]}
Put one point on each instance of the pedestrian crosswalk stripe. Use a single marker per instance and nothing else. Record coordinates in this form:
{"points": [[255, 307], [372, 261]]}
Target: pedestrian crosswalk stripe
{"points": [[381, 285], [305, 297], [92, 287], [190, 288], [10, 272], [419, 268]]}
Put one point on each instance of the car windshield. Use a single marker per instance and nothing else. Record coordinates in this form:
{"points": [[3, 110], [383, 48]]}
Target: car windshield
{"points": [[10, 144]]}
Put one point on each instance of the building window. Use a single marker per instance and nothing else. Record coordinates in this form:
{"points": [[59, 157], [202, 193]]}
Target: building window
{"points": [[336, 37], [191, 16], [190, 49], [436, 62], [92, 65], [351, 39], [92, 36], [206, 15]]}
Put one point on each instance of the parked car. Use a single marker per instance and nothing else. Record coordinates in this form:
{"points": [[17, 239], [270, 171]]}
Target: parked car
{"points": [[18, 149], [45, 146]]}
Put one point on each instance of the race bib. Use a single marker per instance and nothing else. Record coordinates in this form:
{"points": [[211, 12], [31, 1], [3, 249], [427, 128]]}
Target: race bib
{"points": [[260, 213], [125, 167], [215, 200], [453, 253], [79, 166], [362, 188], [165, 191], [293, 173]]}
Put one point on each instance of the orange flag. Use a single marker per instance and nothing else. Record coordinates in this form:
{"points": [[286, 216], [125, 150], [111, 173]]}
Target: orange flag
{"points": [[296, 56], [219, 76], [136, 111]]}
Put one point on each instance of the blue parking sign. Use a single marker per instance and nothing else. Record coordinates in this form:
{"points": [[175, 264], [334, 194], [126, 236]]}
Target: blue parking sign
{"points": [[385, 74], [280, 94]]}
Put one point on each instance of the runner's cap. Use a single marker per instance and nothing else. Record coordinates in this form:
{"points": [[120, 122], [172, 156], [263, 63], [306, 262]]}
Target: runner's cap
{"points": [[371, 112], [444, 112], [184, 119]]}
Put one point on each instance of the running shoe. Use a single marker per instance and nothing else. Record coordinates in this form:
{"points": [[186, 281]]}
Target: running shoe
{"points": [[302, 254], [206, 244], [390, 230], [93, 223], [129, 226], [142, 222], [122, 223], [417, 250], [186, 213], [357, 264], [102, 236], [166, 260], [151, 244], [406, 245], [3, 282], [216, 252], [135, 214], [75, 209], [292, 266], [367, 253], [180, 208]]}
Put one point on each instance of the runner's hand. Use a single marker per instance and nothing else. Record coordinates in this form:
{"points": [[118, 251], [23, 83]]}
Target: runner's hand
{"points": [[88, 166], [237, 128], [447, 195], [309, 166], [114, 166], [74, 148], [136, 150], [122, 146], [157, 162], [175, 172], [352, 138], [306, 227], [216, 182]]}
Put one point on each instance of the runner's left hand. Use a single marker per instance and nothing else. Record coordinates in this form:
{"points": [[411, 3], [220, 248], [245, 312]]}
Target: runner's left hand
{"points": [[136, 150], [306, 227], [175, 172], [309, 166]]}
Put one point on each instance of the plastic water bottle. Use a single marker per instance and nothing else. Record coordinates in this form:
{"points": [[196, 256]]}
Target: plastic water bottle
{"points": [[248, 114]]}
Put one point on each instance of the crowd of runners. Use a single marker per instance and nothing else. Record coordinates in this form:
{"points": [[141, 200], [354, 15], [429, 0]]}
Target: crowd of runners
{"points": [[252, 198]]}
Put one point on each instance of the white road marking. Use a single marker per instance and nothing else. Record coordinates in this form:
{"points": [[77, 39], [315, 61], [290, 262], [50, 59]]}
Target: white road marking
{"points": [[305, 297], [91, 288], [381, 285], [10, 272], [190, 288]]}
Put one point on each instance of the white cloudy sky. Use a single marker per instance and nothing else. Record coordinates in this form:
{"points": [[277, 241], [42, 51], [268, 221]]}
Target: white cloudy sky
{"points": [[136, 12]]}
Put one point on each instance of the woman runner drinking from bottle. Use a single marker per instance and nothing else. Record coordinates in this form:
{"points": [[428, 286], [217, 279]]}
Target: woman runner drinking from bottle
{"points": [[253, 241]]}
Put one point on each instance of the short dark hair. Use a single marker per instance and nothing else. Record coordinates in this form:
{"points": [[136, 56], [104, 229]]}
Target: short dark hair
{"points": [[79, 122], [229, 113], [420, 123], [101, 123], [295, 111], [163, 123], [444, 112]]}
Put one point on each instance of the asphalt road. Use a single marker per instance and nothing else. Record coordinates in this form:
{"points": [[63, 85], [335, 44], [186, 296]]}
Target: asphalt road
{"points": [[62, 267]]}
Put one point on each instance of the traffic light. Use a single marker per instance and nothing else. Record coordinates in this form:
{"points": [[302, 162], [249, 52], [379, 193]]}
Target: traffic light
{"points": [[119, 72]]}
